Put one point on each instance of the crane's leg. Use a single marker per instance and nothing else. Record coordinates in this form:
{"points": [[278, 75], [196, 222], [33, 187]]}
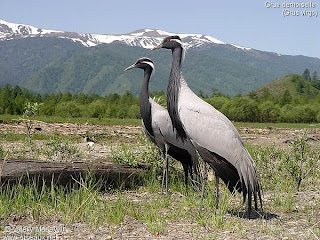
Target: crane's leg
{"points": [[167, 166], [185, 170], [204, 181], [163, 170], [259, 195], [165, 179], [217, 190]]}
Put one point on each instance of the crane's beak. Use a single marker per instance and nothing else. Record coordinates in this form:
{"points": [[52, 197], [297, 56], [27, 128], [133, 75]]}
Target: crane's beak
{"points": [[157, 47], [130, 67]]}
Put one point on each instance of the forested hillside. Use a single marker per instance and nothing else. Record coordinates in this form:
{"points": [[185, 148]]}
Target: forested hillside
{"points": [[265, 105], [53, 65]]}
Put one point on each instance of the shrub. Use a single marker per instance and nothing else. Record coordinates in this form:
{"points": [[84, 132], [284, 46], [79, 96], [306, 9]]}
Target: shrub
{"points": [[298, 114], [96, 109], [241, 109], [133, 112], [68, 109], [300, 161], [269, 112], [217, 101]]}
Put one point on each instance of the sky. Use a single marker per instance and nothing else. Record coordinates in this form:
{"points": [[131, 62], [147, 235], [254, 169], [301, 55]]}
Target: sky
{"points": [[248, 23]]}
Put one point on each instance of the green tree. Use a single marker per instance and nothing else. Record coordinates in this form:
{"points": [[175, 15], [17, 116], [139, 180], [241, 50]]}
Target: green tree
{"points": [[48, 107], [285, 98], [201, 94], [217, 101], [5, 99], [298, 114], [266, 95], [315, 76], [215, 92], [66, 97], [133, 112], [306, 74], [253, 95], [269, 112], [241, 109], [68, 109], [96, 109]]}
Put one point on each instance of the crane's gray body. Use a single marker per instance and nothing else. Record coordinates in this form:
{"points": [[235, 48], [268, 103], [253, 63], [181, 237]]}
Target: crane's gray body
{"points": [[158, 127], [212, 133], [221, 141], [164, 133]]}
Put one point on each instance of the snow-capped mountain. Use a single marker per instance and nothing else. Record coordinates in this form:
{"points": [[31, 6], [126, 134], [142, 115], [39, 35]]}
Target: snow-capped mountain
{"points": [[48, 61], [146, 38]]}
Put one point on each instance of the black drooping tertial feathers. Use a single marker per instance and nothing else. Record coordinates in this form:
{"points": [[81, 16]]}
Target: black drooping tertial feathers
{"points": [[247, 184], [225, 170], [230, 176], [185, 158]]}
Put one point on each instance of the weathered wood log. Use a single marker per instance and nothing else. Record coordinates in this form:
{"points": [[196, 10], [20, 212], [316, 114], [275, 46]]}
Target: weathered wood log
{"points": [[64, 173]]}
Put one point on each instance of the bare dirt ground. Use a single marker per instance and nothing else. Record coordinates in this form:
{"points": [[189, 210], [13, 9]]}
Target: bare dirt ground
{"points": [[280, 137], [106, 138], [279, 225]]}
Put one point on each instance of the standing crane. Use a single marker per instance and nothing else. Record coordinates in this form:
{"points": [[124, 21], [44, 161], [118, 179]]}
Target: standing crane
{"points": [[212, 133], [158, 128]]}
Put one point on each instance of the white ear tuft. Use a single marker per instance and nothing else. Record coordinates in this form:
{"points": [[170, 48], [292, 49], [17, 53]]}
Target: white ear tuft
{"points": [[184, 49], [184, 52], [151, 65]]}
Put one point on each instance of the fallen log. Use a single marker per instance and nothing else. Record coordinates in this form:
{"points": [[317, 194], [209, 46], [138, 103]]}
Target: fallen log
{"points": [[63, 173]]}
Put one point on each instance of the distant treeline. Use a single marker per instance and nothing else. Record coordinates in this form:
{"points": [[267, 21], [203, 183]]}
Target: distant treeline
{"points": [[250, 108], [266, 108]]}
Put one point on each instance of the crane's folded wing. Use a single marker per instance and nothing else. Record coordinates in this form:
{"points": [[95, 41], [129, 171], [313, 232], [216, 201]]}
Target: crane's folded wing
{"points": [[211, 130]]}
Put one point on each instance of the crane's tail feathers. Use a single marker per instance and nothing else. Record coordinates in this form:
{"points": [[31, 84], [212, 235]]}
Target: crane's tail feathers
{"points": [[250, 180]]}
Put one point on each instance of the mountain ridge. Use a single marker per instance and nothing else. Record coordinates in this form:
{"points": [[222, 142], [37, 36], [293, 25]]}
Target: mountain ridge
{"points": [[51, 62], [145, 37]]}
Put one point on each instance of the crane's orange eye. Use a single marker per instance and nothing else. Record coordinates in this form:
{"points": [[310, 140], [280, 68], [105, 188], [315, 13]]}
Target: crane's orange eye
{"points": [[168, 40]]}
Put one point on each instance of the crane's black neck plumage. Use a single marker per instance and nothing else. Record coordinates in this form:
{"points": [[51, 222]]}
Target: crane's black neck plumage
{"points": [[145, 106], [173, 91]]}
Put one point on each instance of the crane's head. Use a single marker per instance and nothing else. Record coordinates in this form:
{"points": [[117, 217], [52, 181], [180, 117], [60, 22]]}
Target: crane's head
{"points": [[143, 63], [170, 42]]}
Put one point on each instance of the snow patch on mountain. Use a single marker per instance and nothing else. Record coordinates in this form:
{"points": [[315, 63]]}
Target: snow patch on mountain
{"points": [[240, 47], [145, 38]]}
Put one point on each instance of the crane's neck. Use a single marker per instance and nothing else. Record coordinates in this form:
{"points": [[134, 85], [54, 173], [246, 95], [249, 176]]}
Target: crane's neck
{"points": [[175, 74], [145, 106], [173, 91]]}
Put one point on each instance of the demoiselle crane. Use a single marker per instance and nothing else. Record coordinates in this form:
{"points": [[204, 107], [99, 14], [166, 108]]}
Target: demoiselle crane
{"points": [[158, 128], [212, 133]]}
